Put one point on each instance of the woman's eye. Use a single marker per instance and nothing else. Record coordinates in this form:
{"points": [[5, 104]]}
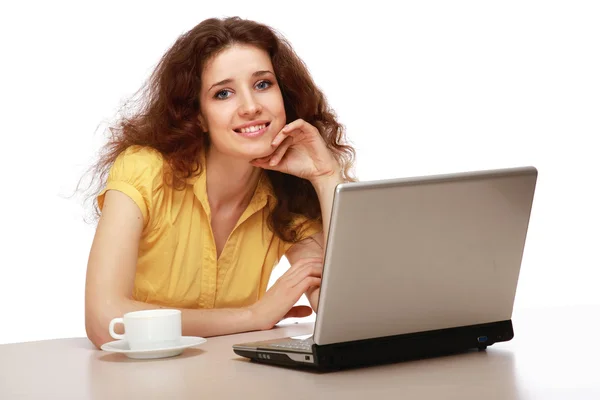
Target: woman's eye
{"points": [[262, 85], [222, 94]]}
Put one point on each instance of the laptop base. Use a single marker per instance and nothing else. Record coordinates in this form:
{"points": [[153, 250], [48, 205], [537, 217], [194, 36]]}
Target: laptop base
{"points": [[393, 348]]}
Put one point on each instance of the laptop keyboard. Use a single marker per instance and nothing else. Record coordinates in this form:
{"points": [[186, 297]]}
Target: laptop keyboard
{"points": [[304, 345]]}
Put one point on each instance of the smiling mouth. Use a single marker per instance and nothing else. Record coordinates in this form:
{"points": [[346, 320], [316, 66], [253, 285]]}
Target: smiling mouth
{"points": [[252, 129]]}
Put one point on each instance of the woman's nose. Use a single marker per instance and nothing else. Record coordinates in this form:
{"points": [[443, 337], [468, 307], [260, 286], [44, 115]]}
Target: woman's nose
{"points": [[249, 105]]}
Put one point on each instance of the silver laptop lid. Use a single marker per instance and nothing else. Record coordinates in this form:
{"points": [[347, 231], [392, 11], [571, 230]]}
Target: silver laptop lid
{"points": [[426, 253]]}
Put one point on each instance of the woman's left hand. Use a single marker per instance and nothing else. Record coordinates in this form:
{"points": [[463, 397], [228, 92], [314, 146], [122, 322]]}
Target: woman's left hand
{"points": [[301, 151]]}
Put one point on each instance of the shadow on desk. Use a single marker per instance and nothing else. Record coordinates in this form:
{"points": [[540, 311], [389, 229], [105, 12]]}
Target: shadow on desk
{"points": [[114, 376], [489, 374], [122, 358]]}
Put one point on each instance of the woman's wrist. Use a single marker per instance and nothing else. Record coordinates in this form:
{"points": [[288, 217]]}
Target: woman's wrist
{"points": [[327, 181], [250, 318]]}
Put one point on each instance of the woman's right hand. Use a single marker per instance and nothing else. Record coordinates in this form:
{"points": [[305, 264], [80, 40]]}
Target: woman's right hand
{"points": [[278, 302]]}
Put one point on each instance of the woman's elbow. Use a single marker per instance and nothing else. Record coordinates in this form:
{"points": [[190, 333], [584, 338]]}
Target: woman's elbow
{"points": [[97, 338], [96, 332], [96, 325]]}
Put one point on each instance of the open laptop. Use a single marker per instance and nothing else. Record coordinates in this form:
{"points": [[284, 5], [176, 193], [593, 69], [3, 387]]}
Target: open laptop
{"points": [[415, 267]]}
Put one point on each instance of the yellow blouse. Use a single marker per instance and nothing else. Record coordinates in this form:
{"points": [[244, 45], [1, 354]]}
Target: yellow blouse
{"points": [[177, 264]]}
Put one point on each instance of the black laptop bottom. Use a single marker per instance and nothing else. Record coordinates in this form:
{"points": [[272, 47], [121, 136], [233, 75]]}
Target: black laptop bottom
{"points": [[396, 348]]}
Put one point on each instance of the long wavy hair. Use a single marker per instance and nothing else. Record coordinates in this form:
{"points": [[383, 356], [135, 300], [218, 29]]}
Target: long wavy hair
{"points": [[166, 117]]}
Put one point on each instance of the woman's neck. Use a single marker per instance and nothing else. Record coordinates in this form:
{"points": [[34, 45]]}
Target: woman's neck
{"points": [[230, 182]]}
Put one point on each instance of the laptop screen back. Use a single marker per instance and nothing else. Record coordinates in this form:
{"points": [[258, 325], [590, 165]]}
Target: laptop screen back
{"points": [[419, 254]]}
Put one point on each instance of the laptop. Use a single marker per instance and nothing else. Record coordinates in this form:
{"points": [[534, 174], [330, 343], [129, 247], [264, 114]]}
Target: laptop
{"points": [[414, 268]]}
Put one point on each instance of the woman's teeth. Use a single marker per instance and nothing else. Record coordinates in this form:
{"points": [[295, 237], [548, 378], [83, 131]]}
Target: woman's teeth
{"points": [[253, 128]]}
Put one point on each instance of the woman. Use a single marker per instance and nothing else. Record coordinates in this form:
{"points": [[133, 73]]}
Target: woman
{"points": [[231, 164]]}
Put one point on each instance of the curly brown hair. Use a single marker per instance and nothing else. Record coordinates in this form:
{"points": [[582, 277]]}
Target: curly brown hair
{"points": [[167, 117]]}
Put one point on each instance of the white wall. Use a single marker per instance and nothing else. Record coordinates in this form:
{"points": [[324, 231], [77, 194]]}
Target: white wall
{"points": [[423, 87]]}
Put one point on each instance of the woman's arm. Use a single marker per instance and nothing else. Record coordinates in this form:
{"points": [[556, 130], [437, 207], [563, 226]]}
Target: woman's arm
{"points": [[111, 272], [314, 246], [309, 248], [325, 187], [311, 159]]}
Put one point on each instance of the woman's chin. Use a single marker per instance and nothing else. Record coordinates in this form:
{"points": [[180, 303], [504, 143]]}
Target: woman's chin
{"points": [[255, 152]]}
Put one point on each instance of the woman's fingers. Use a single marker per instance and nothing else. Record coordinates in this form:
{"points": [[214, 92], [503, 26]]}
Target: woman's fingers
{"points": [[294, 286], [282, 135], [297, 268], [294, 293], [298, 312], [280, 152], [280, 299], [279, 138], [274, 158], [300, 264], [306, 283], [295, 128], [313, 270]]}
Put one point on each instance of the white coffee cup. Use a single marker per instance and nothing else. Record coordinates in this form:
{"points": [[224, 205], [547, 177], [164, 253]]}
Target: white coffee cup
{"points": [[149, 329]]}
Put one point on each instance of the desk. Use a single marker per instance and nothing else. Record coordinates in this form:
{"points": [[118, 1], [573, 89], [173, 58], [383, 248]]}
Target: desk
{"points": [[554, 355]]}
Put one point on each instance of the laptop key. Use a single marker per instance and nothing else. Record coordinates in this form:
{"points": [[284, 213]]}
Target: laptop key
{"points": [[296, 345]]}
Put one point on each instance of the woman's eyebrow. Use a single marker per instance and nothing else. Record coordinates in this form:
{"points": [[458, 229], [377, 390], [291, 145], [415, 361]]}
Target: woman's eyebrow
{"points": [[229, 80], [261, 73]]}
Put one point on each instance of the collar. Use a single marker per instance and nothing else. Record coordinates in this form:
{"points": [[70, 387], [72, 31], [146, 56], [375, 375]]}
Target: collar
{"points": [[263, 194]]}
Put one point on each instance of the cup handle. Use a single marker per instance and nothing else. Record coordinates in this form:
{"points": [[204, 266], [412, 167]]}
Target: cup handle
{"points": [[111, 328]]}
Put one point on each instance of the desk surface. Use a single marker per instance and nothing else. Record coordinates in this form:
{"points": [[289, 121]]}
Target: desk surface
{"points": [[554, 355]]}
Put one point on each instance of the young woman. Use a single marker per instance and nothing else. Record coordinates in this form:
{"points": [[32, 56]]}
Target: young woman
{"points": [[230, 164]]}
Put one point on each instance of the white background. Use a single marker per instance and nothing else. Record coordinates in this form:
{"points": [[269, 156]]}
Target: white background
{"points": [[422, 87]]}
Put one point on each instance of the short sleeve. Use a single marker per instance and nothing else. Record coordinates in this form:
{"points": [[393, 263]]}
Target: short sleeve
{"points": [[134, 173], [304, 228]]}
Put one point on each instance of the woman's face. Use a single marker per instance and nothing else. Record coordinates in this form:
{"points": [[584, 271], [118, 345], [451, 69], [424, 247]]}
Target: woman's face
{"points": [[241, 103]]}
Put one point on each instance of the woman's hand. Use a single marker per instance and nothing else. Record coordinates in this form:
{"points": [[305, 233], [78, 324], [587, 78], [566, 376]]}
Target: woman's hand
{"points": [[300, 150], [278, 302]]}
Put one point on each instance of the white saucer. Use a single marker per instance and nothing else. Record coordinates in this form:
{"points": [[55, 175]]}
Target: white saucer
{"points": [[121, 346]]}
